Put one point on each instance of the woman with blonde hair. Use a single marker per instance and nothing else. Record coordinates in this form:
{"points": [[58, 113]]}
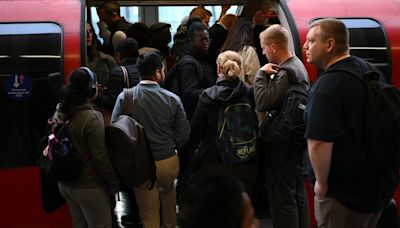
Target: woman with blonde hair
{"points": [[206, 123]]}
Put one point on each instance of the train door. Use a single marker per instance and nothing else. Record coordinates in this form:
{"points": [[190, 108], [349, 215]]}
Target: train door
{"points": [[39, 46]]}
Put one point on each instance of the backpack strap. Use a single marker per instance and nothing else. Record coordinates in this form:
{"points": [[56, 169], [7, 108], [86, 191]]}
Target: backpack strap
{"points": [[294, 84], [172, 81], [126, 76], [370, 75], [127, 109], [127, 105], [189, 58]]}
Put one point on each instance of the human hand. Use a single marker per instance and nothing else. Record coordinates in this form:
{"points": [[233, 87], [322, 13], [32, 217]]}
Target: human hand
{"points": [[225, 7], [46, 151], [320, 189], [270, 68]]}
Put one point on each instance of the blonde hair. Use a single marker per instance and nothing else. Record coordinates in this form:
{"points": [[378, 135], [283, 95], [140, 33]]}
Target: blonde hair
{"points": [[276, 34], [230, 63]]}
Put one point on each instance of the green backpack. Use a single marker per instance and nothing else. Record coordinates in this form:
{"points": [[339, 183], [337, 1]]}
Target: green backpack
{"points": [[237, 133]]}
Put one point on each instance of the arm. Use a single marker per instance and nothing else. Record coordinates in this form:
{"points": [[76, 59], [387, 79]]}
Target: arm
{"points": [[320, 154], [117, 107], [224, 9], [269, 90], [95, 136], [104, 32], [182, 126], [190, 82], [198, 124], [191, 87]]}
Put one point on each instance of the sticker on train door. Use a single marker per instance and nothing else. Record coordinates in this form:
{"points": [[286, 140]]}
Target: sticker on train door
{"points": [[19, 87]]}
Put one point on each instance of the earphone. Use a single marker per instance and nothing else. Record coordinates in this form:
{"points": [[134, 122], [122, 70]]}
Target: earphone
{"points": [[91, 88]]}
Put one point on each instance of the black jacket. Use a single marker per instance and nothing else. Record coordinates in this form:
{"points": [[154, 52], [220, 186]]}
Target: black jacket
{"points": [[206, 161], [116, 83], [191, 83]]}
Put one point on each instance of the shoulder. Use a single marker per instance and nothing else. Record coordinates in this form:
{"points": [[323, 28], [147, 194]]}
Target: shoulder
{"points": [[132, 69], [87, 114], [248, 53], [335, 82], [170, 94], [107, 57], [296, 67], [188, 61], [248, 49], [116, 70]]}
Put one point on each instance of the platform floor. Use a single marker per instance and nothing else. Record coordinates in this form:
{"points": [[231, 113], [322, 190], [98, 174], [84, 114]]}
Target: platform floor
{"points": [[122, 208]]}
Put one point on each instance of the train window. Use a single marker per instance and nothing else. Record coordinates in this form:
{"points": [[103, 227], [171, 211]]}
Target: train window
{"points": [[130, 13], [30, 76], [168, 14], [34, 48], [175, 14], [368, 41]]}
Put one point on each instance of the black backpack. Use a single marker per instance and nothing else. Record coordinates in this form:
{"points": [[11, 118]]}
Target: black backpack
{"points": [[128, 148], [237, 133], [173, 79], [285, 125], [62, 162], [382, 119]]}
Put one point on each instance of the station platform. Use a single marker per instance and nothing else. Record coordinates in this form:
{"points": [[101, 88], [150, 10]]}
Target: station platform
{"points": [[122, 208]]}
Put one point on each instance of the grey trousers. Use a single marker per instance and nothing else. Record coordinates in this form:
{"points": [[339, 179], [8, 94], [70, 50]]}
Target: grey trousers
{"points": [[330, 213], [89, 207], [287, 195]]}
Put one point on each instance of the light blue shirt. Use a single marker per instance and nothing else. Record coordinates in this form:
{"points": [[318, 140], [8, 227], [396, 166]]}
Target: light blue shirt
{"points": [[161, 114]]}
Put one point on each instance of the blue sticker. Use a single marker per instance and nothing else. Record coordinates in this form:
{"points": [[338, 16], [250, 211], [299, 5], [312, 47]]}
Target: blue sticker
{"points": [[19, 87]]}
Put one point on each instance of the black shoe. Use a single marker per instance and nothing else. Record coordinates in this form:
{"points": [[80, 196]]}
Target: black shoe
{"points": [[130, 219]]}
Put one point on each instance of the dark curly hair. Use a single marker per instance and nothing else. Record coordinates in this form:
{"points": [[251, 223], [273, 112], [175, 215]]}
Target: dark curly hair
{"points": [[76, 92]]}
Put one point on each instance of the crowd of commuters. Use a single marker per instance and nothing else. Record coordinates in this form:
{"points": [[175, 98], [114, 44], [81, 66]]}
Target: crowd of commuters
{"points": [[233, 60]]}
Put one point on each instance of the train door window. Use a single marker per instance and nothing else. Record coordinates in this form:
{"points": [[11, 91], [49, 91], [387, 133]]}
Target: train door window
{"points": [[174, 15], [30, 74], [368, 41], [130, 13]]}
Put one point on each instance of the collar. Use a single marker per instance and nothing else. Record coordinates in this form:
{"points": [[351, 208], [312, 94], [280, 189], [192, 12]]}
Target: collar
{"points": [[148, 82], [287, 60]]}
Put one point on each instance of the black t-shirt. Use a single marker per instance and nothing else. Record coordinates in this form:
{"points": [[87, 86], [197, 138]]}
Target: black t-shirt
{"points": [[335, 113]]}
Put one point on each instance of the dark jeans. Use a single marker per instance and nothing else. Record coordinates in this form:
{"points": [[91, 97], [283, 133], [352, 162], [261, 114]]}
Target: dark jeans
{"points": [[286, 192]]}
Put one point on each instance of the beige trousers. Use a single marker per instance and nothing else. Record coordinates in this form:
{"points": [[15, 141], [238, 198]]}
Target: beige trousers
{"points": [[162, 195]]}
